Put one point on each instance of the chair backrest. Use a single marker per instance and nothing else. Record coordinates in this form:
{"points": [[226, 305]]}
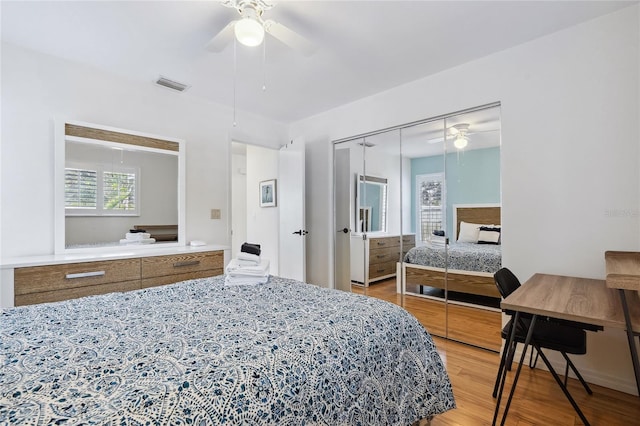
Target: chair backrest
{"points": [[506, 282]]}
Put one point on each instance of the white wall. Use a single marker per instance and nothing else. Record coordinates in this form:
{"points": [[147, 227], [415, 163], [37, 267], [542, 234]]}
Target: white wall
{"points": [[570, 156], [262, 222], [37, 88]]}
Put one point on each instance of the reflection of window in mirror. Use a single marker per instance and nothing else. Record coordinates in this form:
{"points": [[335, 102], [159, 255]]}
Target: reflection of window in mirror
{"points": [[430, 204], [97, 190]]}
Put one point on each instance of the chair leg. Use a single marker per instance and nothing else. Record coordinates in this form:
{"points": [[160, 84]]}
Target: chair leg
{"points": [[532, 362], [502, 367], [503, 364], [510, 355], [577, 373]]}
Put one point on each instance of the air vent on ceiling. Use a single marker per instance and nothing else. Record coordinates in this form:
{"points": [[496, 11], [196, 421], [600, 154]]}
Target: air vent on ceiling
{"points": [[171, 84]]}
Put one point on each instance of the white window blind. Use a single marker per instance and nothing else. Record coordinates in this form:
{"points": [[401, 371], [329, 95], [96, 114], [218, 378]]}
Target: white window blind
{"points": [[92, 191], [119, 191], [80, 188], [430, 204]]}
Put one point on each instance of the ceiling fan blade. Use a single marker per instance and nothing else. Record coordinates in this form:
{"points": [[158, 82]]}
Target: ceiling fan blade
{"points": [[289, 37], [435, 140], [222, 39], [484, 131]]}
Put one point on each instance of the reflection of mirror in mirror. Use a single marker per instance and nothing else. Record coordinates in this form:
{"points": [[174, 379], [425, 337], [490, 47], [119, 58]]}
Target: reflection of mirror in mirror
{"points": [[372, 203], [129, 187]]}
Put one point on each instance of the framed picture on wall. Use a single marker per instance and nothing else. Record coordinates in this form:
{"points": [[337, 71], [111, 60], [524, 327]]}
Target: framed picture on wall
{"points": [[268, 193]]}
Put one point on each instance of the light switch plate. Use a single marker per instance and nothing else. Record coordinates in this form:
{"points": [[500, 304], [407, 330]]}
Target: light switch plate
{"points": [[215, 213]]}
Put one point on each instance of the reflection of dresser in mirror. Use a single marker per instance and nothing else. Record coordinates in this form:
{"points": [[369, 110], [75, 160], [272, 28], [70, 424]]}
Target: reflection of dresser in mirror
{"points": [[375, 258]]}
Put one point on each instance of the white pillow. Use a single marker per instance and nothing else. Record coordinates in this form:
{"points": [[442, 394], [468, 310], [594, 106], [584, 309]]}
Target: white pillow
{"points": [[489, 235], [469, 232]]}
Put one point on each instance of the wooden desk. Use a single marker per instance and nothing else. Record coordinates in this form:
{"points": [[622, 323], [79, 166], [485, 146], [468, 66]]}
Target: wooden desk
{"points": [[582, 300], [574, 299]]}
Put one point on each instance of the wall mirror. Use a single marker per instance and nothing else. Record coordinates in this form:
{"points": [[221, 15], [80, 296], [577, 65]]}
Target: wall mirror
{"points": [[110, 181], [372, 204]]}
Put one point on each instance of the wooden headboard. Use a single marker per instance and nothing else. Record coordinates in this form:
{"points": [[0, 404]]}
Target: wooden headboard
{"points": [[483, 214]]}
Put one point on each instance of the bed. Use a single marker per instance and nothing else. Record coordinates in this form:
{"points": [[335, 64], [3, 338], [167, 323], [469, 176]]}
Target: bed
{"points": [[199, 352], [466, 267]]}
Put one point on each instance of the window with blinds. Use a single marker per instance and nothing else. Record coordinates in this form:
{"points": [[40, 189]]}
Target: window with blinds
{"points": [[119, 192], [430, 206], [80, 188], [92, 191]]}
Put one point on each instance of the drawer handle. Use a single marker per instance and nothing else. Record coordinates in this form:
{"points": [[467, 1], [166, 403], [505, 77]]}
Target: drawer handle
{"points": [[380, 256], [84, 275], [380, 270], [381, 243], [186, 263]]}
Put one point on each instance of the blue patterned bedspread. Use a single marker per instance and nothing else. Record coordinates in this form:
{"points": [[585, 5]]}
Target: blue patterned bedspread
{"points": [[200, 353], [460, 256]]}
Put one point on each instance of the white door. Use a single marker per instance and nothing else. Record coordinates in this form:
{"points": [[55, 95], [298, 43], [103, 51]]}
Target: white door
{"points": [[290, 189], [342, 207]]}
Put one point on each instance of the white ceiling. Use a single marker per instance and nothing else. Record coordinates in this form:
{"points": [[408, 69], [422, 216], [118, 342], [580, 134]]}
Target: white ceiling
{"points": [[364, 47]]}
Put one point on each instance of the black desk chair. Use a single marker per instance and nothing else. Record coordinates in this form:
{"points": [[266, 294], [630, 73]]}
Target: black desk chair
{"points": [[566, 337]]}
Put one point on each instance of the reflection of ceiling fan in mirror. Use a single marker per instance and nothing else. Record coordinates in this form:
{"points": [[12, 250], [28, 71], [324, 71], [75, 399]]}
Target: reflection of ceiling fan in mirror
{"points": [[250, 28], [460, 134]]}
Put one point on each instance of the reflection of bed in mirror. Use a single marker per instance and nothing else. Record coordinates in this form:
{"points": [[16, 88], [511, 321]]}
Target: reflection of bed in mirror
{"points": [[466, 268]]}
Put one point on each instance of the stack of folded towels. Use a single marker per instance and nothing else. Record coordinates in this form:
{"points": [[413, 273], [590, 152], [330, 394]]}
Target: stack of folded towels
{"points": [[135, 236], [247, 268], [437, 239]]}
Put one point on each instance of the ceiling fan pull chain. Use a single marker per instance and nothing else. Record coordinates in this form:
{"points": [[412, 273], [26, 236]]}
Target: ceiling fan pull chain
{"points": [[235, 77], [264, 65]]}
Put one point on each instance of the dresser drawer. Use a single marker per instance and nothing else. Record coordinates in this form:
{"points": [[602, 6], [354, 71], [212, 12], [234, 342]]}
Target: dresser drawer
{"points": [[408, 239], [383, 255], [382, 269], [158, 266], [38, 279], [74, 293], [384, 242], [171, 279]]}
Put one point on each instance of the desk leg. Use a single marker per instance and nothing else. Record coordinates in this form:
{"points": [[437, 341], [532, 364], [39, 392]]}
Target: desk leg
{"points": [[563, 387], [515, 379], [502, 370], [630, 338]]}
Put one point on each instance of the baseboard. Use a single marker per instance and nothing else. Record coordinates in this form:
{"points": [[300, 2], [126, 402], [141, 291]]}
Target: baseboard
{"points": [[622, 384]]}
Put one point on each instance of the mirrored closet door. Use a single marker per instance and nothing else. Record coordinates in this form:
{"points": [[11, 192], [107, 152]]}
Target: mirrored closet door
{"points": [[423, 148], [440, 182], [367, 199]]}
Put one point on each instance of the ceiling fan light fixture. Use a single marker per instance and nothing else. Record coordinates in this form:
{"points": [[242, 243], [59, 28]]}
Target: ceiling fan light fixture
{"points": [[461, 141], [249, 32]]}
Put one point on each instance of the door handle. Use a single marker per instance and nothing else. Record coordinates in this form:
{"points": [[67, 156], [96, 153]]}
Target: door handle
{"points": [[345, 230], [301, 232]]}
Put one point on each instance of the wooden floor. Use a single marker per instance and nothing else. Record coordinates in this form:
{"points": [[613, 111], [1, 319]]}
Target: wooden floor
{"points": [[538, 399]]}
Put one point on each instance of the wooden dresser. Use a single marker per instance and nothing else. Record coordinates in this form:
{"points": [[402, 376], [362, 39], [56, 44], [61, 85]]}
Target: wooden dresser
{"points": [[69, 280], [376, 257]]}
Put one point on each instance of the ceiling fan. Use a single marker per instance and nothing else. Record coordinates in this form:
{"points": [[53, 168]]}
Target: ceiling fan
{"points": [[250, 28], [460, 134]]}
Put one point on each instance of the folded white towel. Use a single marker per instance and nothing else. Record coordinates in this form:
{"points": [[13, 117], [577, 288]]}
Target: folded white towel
{"points": [[261, 270], [244, 280], [140, 241], [247, 262], [137, 235], [248, 257]]}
